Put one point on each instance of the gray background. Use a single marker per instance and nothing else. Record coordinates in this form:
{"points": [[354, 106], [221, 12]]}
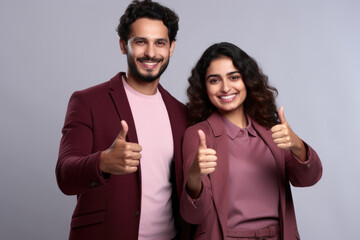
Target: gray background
{"points": [[309, 49]]}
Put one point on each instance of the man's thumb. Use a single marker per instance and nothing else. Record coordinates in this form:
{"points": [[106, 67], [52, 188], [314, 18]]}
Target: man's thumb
{"points": [[124, 130], [202, 139]]}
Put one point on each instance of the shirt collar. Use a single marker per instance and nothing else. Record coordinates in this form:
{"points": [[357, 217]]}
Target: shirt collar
{"points": [[233, 131]]}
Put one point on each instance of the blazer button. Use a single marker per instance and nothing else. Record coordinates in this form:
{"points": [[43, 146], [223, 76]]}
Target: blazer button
{"points": [[93, 184], [136, 213]]}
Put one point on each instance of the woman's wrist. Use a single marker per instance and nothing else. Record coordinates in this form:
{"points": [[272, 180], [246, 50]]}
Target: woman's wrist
{"points": [[194, 186]]}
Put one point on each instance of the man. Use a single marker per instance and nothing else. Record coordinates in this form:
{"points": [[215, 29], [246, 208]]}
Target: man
{"points": [[120, 150]]}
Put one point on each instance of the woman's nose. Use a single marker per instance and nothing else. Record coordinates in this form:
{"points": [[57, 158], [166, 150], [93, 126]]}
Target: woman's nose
{"points": [[225, 86]]}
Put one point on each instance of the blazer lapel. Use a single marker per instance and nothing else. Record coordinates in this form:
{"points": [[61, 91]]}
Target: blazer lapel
{"points": [[220, 177], [278, 154], [118, 94], [266, 135], [178, 125]]}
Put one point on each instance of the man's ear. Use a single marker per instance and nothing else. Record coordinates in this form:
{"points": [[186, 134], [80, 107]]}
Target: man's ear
{"points": [[172, 47], [123, 46]]}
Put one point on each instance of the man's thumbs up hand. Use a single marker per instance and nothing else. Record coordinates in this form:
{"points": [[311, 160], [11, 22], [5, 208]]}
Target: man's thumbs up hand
{"points": [[122, 157]]}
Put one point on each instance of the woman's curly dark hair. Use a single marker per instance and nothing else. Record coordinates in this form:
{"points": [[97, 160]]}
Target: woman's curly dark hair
{"points": [[260, 100], [148, 9]]}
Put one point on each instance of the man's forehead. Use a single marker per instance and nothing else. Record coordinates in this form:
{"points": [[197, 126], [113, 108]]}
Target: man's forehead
{"points": [[149, 29]]}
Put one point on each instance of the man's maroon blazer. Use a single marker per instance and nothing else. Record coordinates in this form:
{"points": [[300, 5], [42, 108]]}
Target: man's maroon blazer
{"points": [[108, 206]]}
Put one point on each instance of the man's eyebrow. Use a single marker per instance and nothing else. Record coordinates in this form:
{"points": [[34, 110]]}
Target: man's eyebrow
{"points": [[146, 39], [139, 38], [162, 39]]}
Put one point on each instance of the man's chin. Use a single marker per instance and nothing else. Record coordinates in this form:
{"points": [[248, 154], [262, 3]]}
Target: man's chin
{"points": [[147, 77]]}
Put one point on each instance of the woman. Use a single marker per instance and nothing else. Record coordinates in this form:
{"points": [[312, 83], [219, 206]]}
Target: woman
{"points": [[241, 154]]}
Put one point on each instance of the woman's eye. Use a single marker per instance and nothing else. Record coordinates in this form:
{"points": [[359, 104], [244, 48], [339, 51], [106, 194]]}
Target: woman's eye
{"points": [[235, 77], [213, 80]]}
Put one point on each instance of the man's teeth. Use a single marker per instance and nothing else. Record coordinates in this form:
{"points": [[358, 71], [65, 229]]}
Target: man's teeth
{"points": [[228, 96], [150, 63]]}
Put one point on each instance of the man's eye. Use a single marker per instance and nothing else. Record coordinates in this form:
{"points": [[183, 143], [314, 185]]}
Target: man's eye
{"points": [[139, 42], [161, 43]]}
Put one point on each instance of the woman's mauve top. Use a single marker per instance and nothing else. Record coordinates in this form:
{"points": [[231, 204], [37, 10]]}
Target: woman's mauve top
{"points": [[253, 187]]}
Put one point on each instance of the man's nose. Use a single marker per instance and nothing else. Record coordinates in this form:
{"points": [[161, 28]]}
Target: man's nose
{"points": [[150, 51]]}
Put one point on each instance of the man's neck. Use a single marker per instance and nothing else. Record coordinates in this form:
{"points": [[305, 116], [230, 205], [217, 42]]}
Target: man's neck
{"points": [[146, 88]]}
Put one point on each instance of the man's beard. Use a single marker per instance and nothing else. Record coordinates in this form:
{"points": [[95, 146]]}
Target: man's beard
{"points": [[148, 77]]}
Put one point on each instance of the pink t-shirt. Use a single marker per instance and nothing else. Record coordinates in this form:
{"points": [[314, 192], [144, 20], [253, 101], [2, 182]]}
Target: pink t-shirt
{"points": [[253, 186], [155, 137]]}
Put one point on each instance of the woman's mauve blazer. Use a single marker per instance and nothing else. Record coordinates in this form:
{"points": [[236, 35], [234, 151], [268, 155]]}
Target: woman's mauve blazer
{"points": [[210, 211]]}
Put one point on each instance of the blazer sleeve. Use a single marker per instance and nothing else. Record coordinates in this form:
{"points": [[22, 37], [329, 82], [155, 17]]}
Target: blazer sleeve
{"points": [[194, 211], [77, 168], [303, 174]]}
